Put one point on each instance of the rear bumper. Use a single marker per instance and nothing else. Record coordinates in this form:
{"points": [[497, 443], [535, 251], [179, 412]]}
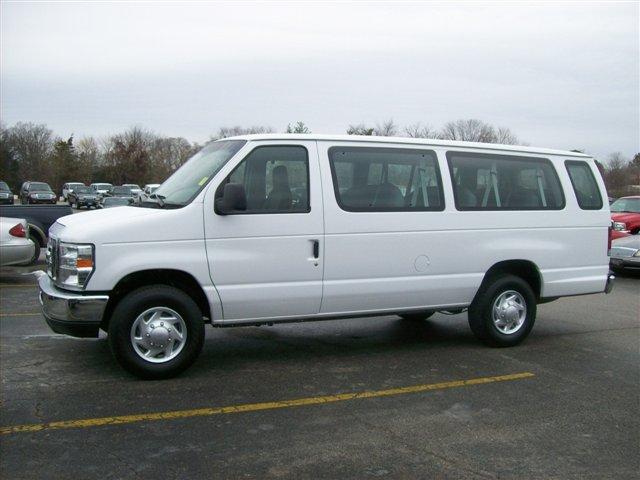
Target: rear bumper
{"points": [[70, 313], [631, 263]]}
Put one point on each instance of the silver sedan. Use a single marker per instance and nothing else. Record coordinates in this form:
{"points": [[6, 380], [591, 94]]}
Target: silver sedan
{"points": [[15, 246], [625, 253]]}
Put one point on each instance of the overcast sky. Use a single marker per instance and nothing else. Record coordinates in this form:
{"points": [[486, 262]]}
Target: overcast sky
{"points": [[560, 75]]}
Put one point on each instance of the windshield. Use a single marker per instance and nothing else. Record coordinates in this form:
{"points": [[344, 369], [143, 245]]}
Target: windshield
{"points": [[39, 187], [101, 186], [132, 186], [626, 205], [122, 189], [82, 189], [181, 187], [4, 187]]}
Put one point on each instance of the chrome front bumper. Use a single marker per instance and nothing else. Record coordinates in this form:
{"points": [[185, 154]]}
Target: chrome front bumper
{"points": [[70, 313]]}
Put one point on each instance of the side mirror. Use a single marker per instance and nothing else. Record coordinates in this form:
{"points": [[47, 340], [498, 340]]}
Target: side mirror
{"points": [[233, 199]]}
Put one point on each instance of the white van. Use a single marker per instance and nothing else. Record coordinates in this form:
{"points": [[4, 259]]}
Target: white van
{"points": [[273, 228]]}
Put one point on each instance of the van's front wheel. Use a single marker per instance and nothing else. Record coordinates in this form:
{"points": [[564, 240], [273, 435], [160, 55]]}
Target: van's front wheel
{"points": [[503, 312], [156, 332]]}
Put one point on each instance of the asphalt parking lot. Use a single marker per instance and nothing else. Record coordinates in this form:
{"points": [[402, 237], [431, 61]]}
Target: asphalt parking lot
{"points": [[370, 397]]}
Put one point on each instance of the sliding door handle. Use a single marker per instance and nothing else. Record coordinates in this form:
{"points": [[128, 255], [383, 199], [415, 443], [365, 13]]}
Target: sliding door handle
{"points": [[316, 249]]}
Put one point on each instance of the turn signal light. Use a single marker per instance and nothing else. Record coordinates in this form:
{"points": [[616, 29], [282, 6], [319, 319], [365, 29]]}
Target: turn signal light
{"points": [[84, 263], [18, 231]]}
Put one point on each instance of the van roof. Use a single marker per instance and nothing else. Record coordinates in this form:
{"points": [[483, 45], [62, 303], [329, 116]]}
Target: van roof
{"points": [[408, 141]]}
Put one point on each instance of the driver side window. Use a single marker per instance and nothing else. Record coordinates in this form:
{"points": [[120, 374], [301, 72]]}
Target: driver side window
{"points": [[275, 179]]}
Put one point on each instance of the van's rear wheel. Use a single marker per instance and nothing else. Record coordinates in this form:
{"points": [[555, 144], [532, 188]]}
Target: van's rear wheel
{"points": [[416, 317], [503, 312], [156, 332]]}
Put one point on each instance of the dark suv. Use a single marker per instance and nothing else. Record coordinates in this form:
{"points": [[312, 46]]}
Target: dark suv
{"points": [[6, 195], [37, 192], [82, 197]]}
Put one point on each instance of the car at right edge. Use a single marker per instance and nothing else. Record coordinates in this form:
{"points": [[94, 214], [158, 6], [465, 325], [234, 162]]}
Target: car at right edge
{"points": [[625, 215], [625, 254]]}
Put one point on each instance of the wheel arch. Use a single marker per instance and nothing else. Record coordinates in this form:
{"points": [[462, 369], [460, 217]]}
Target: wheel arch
{"points": [[525, 269], [175, 278], [39, 234]]}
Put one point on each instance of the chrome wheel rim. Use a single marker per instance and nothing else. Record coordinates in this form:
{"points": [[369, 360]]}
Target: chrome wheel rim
{"points": [[158, 335], [509, 312]]}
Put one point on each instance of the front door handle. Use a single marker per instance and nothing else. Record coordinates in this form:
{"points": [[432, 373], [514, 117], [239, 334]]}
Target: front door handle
{"points": [[316, 249]]}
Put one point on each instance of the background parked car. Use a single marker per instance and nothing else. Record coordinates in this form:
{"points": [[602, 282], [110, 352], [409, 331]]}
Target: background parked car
{"points": [[625, 214], [625, 253], [37, 192], [6, 195], [82, 197], [135, 189], [147, 191], [108, 202], [100, 188], [68, 187], [15, 246], [39, 219]]}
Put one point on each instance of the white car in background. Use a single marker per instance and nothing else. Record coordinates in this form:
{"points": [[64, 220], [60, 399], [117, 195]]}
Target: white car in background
{"points": [[147, 191], [68, 187], [100, 189], [135, 189], [15, 246]]}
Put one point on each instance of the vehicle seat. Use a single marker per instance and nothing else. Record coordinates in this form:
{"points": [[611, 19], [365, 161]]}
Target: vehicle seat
{"points": [[467, 198], [525, 198], [279, 197], [387, 195]]}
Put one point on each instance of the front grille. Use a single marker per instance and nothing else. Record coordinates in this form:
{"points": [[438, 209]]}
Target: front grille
{"points": [[52, 257]]}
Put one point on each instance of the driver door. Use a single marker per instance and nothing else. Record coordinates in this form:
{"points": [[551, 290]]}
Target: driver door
{"points": [[267, 261]]}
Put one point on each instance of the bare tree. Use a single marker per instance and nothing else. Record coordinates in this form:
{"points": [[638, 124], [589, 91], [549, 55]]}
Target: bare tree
{"points": [[386, 129], [506, 137], [225, 132], [471, 130], [359, 129], [617, 175], [31, 146], [299, 127], [417, 130]]}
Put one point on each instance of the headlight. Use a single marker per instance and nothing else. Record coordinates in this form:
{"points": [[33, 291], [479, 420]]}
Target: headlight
{"points": [[637, 254], [75, 265], [619, 226]]}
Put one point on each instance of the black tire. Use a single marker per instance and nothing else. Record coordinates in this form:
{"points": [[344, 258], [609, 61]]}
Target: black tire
{"points": [[136, 302], [481, 311], [416, 317]]}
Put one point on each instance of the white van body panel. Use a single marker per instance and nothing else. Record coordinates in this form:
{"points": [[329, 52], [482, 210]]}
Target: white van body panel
{"points": [[259, 268], [400, 260], [262, 264], [129, 240]]}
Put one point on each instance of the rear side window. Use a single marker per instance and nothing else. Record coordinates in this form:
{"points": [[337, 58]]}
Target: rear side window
{"points": [[584, 185], [503, 182], [368, 179]]}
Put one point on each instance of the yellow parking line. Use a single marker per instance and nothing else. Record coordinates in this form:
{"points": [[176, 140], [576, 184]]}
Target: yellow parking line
{"points": [[254, 407], [32, 314]]}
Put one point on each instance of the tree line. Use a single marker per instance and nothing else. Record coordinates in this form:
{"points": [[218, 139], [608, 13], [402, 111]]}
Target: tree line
{"points": [[30, 151]]}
